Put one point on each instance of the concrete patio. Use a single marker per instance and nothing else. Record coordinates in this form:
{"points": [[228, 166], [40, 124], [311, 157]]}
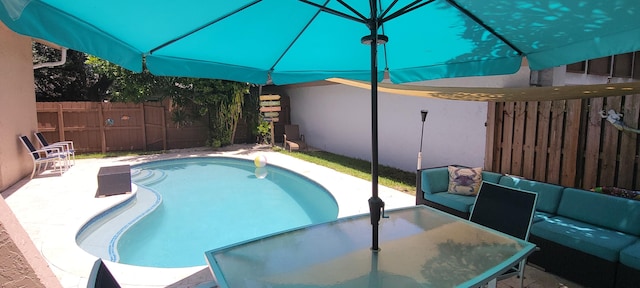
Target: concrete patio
{"points": [[52, 208]]}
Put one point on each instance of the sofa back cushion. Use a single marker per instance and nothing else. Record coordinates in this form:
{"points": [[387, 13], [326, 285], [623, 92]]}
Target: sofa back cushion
{"points": [[548, 194], [435, 180], [491, 177], [606, 211]]}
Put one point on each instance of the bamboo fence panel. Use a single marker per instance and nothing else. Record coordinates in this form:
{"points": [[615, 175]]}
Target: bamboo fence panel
{"points": [[519, 118], [607, 169], [542, 140], [593, 136], [530, 140], [566, 142], [628, 142]]}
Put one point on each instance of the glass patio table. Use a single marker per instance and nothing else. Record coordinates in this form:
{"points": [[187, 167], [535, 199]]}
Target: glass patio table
{"points": [[419, 247]]}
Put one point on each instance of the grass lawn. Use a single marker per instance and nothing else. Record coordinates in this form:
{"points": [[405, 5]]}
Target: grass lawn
{"points": [[116, 154], [390, 177]]}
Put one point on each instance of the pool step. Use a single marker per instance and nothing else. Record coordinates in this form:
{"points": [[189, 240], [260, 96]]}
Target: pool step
{"points": [[147, 177], [101, 234]]}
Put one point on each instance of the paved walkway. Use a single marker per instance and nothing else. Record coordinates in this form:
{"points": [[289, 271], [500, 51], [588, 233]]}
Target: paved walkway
{"points": [[52, 209]]}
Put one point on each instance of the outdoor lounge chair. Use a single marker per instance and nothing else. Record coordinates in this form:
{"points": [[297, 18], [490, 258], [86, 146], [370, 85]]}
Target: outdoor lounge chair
{"points": [[67, 146], [507, 210], [43, 158], [292, 138]]}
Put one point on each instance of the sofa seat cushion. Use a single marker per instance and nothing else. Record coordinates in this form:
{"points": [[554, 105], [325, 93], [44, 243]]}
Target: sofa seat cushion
{"points": [[630, 256], [606, 211], [590, 239], [548, 194], [541, 216], [453, 201]]}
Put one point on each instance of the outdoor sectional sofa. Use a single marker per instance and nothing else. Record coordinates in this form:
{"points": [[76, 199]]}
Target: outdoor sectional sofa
{"points": [[589, 238]]}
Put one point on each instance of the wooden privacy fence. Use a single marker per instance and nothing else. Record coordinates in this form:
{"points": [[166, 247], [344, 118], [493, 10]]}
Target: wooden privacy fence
{"points": [[106, 126], [565, 142]]}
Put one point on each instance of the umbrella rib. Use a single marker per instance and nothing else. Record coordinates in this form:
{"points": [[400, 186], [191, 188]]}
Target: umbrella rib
{"points": [[406, 9], [203, 26], [352, 9], [388, 8], [300, 33], [336, 12], [477, 20]]}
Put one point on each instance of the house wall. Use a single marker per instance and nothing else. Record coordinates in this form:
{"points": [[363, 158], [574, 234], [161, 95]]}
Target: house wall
{"points": [[21, 264], [18, 109], [337, 118]]}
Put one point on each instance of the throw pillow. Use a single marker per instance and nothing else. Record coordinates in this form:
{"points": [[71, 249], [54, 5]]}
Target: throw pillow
{"points": [[464, 181]]}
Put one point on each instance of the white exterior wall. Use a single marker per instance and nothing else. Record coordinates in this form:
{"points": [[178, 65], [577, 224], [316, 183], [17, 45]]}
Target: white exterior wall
{"points": [[337, 119]]}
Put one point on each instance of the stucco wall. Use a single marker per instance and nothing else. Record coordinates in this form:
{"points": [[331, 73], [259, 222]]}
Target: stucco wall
{"points": [[337, 118], [17, 106], [21, 264]]}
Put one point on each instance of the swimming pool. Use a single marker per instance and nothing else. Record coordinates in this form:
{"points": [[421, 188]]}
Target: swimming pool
{"points": [[205, 203]]}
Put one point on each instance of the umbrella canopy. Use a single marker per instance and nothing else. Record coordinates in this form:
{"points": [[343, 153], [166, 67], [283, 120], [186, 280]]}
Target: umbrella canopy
{"points": [[287, 41]]}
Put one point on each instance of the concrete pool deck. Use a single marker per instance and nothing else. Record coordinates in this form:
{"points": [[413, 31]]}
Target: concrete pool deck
{"points": [[53, 208]]}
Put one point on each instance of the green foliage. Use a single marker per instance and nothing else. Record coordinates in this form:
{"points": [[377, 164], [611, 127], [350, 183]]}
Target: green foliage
{"points": [[127, 86], [250, 111], [181, 117], [72, 81], [217, 102], [263, 131]]}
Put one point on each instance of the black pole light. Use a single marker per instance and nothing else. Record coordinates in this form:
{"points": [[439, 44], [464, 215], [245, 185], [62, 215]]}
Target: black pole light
{"points": [[424, 116]]}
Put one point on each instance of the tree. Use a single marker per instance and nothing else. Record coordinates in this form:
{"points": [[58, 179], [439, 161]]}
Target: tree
{"points": [[72, 81], [218, 102]]}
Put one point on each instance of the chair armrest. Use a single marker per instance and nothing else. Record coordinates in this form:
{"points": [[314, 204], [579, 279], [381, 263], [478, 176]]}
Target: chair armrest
{"points": [[45, 152], [60, 146], [68, 143], [50, 149]]}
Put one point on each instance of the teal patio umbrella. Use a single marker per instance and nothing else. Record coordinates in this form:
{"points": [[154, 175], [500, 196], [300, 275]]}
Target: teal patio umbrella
{"points": [[291, 41]]}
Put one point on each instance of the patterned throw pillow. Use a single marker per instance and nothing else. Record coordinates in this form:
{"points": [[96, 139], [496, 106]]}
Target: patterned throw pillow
{"points": [[464, 181]]}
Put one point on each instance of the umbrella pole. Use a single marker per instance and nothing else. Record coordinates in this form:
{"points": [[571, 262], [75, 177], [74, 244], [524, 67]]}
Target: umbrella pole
{"points": [[376, 205]]}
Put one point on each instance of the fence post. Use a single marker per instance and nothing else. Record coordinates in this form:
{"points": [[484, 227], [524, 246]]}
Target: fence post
{"points": [[490, 138], [103, 140], [144, 128], [60, 123], [164, 127]]}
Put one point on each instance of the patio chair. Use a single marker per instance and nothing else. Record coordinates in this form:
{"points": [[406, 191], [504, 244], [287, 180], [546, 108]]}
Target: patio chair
{"points": [[507, 210], [67, 146], [292, 138], [43, 157]]}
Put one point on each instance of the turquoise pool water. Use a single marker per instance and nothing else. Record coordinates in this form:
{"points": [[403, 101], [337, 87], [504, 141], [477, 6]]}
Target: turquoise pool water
{"points": [[211, 202]]}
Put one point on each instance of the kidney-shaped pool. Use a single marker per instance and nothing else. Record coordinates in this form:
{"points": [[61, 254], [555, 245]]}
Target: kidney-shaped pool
{"points": [[186, 206]]}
